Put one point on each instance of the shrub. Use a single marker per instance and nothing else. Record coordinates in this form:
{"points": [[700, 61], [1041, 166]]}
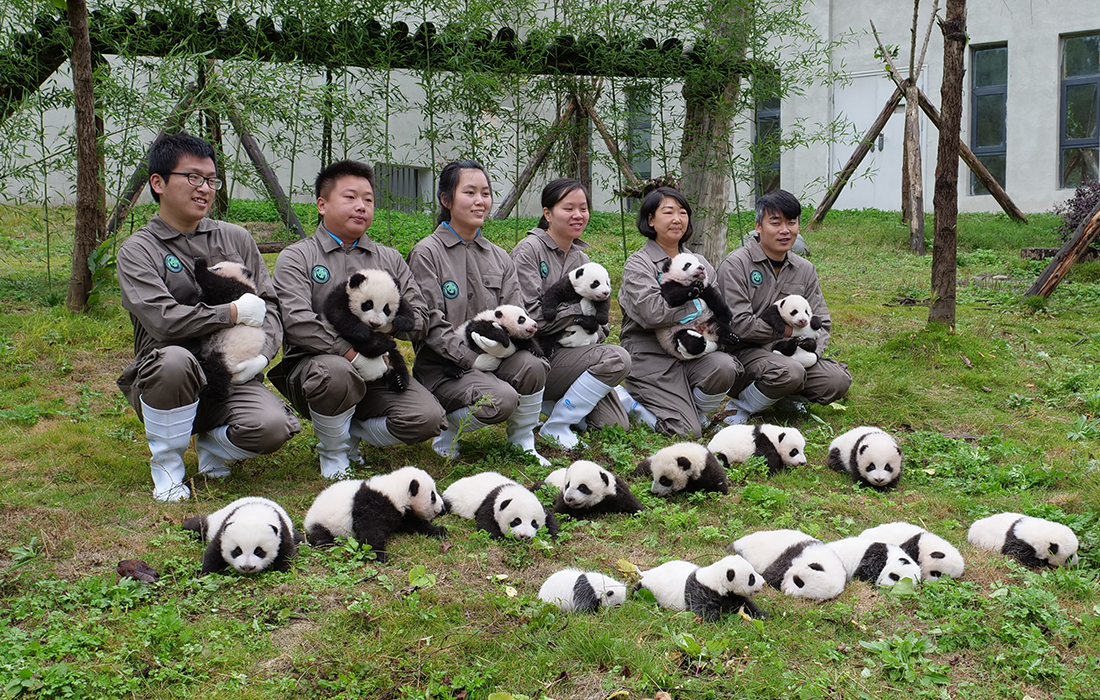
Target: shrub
{"points": [[1074, 210]]}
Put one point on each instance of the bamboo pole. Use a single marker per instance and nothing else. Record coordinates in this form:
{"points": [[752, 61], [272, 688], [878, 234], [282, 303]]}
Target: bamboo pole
{"points": [[613, 148], [528, 174], [1070, 253]]}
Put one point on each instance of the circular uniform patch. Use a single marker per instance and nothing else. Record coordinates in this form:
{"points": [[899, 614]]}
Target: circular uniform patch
{"points": [[450, 289], [172, 263], [544, 269], [756, 278], [320, 274]]}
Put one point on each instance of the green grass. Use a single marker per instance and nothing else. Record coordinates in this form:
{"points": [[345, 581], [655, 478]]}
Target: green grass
{"points": [[1000, 413]]}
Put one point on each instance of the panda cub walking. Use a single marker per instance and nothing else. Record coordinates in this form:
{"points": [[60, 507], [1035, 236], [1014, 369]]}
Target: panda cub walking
{"points": [[869, 455], [250, 534]]}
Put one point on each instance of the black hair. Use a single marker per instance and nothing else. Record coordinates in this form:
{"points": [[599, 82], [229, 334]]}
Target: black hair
{"points": [[778, 202], [649, 207], [165, 154], [557, 191], [448, 183], [334, 171]]}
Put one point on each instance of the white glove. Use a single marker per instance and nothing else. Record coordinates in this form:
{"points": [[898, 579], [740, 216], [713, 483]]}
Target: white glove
{"points": [[251, 310], [492, 347], [576, 337], [486, 362], [248, 369], [369, 368]]}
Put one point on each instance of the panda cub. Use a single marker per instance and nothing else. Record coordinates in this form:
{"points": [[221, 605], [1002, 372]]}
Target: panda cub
{"points": [[936, 555], [684, 278], [869, 455], [499, 506], [795, 563], [778, 445], [590, 286], [365, 312], [222, 352], [875, 562], [582, 591], [374, 509], [684, 466], [507, 325], [794, 311], [250, 534], [588, 489], [707, 591], [1033, 542]]}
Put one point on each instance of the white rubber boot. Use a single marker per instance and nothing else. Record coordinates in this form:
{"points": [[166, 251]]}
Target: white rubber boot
{"points": [[635, 411], [334, 442], [458, 422], [570, 410], [749, 402], [215, 451], [373, 431], [169, 433], [522, 422], [706, 404]]}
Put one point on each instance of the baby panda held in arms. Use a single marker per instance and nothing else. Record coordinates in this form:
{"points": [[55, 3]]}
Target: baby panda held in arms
{"points": [[869, 455], [499, 506], [794, 311], [582, 591], [1033, 542], [224, 355], [365, 312], [588, 285], [250, 534], [780, 446], [496, 334], [795, 563], [375, 509], [588, 489], [707, 591], [685, 466], [684, 279]]}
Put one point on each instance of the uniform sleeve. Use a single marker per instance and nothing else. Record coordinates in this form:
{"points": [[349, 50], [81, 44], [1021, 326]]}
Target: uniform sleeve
{"points": [[816, 298], [440, 336], [146, 296], [273, 325], [732, 281], [412, 294], [303, 325], [640, 296]]}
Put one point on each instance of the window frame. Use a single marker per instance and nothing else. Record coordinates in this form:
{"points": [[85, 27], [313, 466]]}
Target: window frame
{"points": [[1064, 142], [986, 91]]}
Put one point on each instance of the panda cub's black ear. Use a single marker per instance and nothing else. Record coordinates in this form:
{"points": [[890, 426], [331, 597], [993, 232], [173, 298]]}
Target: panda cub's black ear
{"points": [[607, 482], [684, 463], [414, 487], [356, 279], [578, 273], [730, 574]]}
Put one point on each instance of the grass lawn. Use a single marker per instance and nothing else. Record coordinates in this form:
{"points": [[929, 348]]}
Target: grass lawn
{"points": [[1000, 413]]}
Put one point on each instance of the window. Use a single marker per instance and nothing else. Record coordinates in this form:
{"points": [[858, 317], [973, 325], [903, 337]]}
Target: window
{"points": [[989, 66], [398, 187], [639, 140], [1080, 141], [766, 146]]}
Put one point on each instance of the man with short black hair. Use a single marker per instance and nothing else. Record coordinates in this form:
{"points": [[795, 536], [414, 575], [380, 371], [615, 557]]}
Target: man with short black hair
{"points": [[165, 383], [752, 278]]}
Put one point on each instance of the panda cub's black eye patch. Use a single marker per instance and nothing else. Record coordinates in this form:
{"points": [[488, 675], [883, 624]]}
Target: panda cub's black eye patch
{"points": [[665, 481], [259, 552], [515, 522], [583, 488], [236, 552], [367, 305]]}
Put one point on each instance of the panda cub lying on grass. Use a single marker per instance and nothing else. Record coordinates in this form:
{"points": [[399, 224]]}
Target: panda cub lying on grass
{"points": [[707, 591], [499, 506]]}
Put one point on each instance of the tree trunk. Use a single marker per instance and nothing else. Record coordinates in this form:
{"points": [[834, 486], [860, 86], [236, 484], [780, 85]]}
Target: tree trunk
{"points": [[913, 172], [710, 103], [905, 181], [86, 235], [946, 197]]}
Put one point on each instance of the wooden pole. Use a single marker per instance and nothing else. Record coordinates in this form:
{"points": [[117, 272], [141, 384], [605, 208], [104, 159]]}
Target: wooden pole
{"points": [[528, 174], [915, 176], [857, 157], [613, 148], [1070, 253], [86, 235]]}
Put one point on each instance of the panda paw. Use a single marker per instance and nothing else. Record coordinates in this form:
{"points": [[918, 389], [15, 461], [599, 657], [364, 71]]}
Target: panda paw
{"points": [[575, 336], [588, 307], [808, 344]]}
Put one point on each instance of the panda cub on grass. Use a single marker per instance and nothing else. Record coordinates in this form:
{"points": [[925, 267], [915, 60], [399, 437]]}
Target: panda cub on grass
{"points": [[507, 327], [250, 534], [794, 311], [582, 591], [707, 591], [223, 353], [1033, 542], [685, 466], [875, 562], [590, 286], [683, 279], [365, 312], [795, 563], [937, 556], [588, 489], [780, 446], [869, 455], [499, 506], [375, 509]]}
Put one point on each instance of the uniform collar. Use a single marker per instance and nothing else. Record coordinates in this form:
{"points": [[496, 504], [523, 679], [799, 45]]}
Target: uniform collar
{"points": [[550, 243], [329, 244], [757, 254], [163, 231], [451, 239], [656, 253]]}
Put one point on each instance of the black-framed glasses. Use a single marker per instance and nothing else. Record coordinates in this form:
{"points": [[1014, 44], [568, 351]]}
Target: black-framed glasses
{"points": [[196, 180]]}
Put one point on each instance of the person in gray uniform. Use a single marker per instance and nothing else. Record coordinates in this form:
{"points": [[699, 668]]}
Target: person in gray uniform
{"points": [[165, 383], [580, 378], [751, 279], [320, 372], [669, 394], [461, 274]]}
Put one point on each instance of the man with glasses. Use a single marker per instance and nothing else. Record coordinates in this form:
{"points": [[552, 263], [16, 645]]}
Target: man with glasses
{"points": [[165, 383]]}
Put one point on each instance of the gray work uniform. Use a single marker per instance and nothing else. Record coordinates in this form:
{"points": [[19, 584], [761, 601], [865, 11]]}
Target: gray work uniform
{"points": [[459, 279], [156, 275], [314, 373], [540, 263], [661, 382], [750, 284]]}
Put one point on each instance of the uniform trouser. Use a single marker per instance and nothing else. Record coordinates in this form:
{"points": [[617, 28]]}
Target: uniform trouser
{"points": [[665, 388], [329, 385], [519, 375], [170, 377], [608, 363], [777, 376]]}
